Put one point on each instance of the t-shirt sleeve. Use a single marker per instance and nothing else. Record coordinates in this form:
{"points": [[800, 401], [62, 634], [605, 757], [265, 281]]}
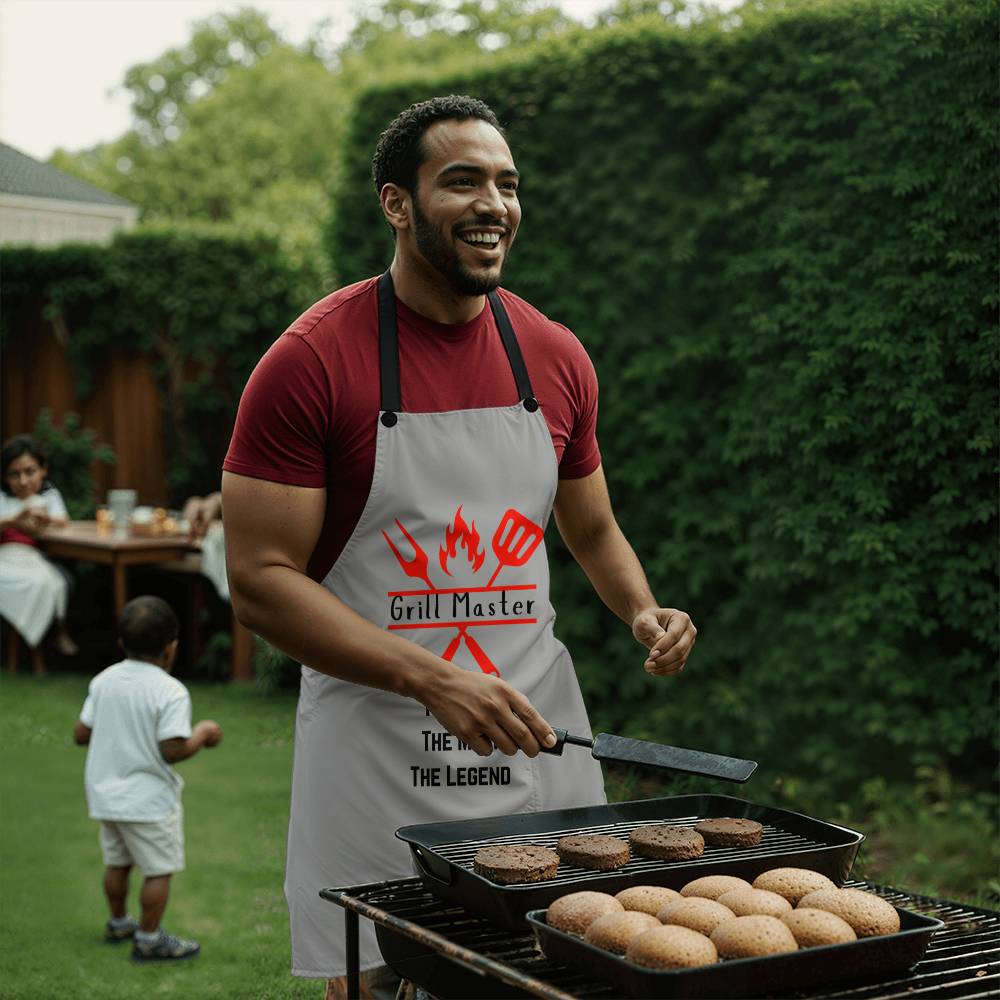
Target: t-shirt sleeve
{"points": [[55, 503], [174, 721], [582, 455], [283, 418], [87, 712]]}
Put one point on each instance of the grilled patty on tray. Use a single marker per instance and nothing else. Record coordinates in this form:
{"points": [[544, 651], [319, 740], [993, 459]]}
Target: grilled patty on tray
{"points": [[668, 843], [593, 850], [729, 832], [511, 864]]}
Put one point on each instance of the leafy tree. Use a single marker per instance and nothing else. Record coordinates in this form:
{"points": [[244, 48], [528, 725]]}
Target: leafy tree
{"points": [[466, 26], [240, 127], [163, 90]]}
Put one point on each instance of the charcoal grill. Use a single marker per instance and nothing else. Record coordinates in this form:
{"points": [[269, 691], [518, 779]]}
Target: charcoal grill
{"points": [[455, 954], [443, 852]]}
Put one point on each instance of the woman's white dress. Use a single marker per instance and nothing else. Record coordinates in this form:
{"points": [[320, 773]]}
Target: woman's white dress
{"points": [[32, 590]]}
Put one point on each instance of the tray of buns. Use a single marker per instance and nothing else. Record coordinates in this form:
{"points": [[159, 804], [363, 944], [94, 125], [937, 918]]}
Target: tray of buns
{"points": [[730, 940], [552, 853]]}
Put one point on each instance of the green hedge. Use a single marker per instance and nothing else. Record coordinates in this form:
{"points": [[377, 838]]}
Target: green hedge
{"points": [[776, 238], [202, 306]]}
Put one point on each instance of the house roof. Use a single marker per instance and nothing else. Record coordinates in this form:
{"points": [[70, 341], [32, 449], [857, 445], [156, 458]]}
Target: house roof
{"points": [[20, 174]]}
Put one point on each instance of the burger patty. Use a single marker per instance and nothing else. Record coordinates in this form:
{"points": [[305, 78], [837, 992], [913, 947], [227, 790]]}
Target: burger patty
{"points": [[510, 864], [595, 851], [668, 843], [729, 832]]}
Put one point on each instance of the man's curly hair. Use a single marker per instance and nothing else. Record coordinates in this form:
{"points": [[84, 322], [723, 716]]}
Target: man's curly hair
{"points": [[399, 152]]}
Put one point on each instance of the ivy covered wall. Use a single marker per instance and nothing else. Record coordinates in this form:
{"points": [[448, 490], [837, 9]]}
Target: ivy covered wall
{"points": [[200, 308], [777, 242]]}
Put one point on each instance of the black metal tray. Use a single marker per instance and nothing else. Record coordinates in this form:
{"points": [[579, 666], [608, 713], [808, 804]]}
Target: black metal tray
{"points": [[745, 977], [442, 852]]}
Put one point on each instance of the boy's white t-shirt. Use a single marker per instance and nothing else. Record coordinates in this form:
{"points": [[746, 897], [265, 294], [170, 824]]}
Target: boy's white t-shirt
{"points": [[131, 707]]}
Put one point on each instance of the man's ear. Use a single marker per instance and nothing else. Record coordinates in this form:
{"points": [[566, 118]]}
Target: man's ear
{"points": [[170, 653], [395, 201]]}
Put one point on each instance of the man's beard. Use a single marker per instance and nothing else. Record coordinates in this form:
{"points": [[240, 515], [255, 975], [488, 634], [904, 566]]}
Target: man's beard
{"points": [[444, 258]]}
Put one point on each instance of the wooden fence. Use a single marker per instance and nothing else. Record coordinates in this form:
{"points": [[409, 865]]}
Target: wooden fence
{"points": [[124, 409]]}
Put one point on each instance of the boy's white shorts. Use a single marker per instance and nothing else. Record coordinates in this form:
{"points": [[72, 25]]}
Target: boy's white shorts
{"points": [[155, 848]]}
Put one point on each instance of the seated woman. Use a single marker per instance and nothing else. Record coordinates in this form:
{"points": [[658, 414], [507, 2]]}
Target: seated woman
{"points": [[203, 515], [33, 592]]}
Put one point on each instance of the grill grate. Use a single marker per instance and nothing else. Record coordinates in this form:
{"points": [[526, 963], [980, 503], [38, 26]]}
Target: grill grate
{"points": [[963, 960], [443, 853], [776, 842]]}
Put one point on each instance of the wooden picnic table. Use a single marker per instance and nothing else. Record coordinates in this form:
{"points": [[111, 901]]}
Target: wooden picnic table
{"points": [[84, 541]]}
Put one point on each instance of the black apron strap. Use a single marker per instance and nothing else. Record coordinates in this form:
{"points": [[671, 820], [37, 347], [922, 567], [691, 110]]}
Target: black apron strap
{"points": [[388, 351], [514, 355]]}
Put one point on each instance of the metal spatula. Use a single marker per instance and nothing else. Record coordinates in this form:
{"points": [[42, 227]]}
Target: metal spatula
{"points": [[605, 746]]}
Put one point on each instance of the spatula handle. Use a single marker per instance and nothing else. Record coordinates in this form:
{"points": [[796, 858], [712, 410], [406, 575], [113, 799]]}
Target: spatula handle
{"points": [[562, 738], [557, 749]]}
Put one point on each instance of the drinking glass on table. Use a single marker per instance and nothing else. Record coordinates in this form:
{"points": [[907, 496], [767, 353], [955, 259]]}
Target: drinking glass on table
{"points": [[121, 503]]}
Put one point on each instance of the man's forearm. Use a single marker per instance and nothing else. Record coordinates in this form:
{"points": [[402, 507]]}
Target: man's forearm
{"points": [[304, 620], [614, 571]]}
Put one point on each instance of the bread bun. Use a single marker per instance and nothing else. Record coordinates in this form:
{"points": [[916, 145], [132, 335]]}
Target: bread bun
{"points": [[748, 902], [647, 898], [713, 886], [671, 948], [575, 912], [869, 915], [753, 937], [614, 931], [701, 915], [792, 883], [812, 928]]}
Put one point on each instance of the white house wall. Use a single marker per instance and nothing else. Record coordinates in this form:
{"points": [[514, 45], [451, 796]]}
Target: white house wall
{"points": [[47, 222]]}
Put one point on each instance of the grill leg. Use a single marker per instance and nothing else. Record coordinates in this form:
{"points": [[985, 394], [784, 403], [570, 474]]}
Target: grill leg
{"points": [[353, 961]]}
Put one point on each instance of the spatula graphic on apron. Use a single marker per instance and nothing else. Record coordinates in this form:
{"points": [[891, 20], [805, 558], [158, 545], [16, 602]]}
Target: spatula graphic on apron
{"points": [[606, 746], [515, 540]]}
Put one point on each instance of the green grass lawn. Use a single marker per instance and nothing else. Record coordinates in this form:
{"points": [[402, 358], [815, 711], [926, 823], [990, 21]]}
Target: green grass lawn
{"points": [[52, 908], [230, 898]]}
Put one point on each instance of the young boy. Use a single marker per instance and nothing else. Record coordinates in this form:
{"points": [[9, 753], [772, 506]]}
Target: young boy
{"points": [[137, 722]]}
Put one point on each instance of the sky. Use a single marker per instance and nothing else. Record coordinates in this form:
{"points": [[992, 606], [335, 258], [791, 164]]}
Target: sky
{"points": [[62, 61]]}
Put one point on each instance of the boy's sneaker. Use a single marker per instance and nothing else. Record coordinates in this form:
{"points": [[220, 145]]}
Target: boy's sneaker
{"points": [[115, 932], [165, 948]]}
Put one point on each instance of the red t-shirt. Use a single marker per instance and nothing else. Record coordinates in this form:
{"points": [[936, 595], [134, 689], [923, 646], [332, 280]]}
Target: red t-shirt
{"points": [[309, 411]]}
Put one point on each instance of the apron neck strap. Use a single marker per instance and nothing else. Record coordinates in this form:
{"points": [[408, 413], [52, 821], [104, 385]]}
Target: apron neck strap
{"points": [[513, 350], [388, 351]]}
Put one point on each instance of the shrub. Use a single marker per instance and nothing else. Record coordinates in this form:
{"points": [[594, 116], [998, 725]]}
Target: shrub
{"points": [[71, 453], [776, 238], [202, 304]]}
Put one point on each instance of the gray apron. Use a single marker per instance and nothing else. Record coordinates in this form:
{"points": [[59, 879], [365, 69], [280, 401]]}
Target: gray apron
{"points": [[449, 554]]}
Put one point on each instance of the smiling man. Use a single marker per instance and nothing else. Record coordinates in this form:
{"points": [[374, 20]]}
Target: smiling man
{"points": [[396, 457]]}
